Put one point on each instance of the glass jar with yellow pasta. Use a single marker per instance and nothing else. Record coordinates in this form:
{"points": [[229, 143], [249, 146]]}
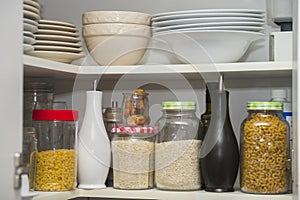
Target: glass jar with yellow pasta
{"points": [[264, 149], [55, 159]]}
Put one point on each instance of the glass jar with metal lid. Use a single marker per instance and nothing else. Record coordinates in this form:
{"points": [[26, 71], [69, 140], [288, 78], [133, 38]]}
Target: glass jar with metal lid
{"points": [[177, 147], [133, 157], [264, 149]]}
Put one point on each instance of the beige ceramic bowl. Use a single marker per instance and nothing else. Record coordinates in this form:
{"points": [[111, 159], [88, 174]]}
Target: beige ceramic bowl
{"points": [[95, 17], [113, 44], [116, 28]]}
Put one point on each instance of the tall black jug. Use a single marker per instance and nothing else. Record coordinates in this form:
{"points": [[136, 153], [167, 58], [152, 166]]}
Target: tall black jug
{"points": [[219, 154]]}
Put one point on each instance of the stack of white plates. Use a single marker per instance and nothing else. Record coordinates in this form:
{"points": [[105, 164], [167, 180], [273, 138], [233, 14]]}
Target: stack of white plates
{"points": [[210, 19], [31, 13], [58, 41], [206, 35]]}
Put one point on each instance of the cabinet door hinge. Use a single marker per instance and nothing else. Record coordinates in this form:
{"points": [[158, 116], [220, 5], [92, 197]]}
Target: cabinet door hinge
{"points": [[20, 169]]}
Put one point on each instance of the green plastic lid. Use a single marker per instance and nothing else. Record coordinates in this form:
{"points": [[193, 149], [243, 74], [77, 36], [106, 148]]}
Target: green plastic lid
{"points": [[178, 105], [256, 105]]}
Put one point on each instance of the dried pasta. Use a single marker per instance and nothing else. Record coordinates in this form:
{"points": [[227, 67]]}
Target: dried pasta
{"points": [[55, 170], [264, 154]]}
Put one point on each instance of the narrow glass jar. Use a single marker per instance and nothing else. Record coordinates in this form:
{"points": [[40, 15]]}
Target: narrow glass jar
{"points": [[55, 159], [177, 147], [136, 108], [264, 150], [133, 157]]}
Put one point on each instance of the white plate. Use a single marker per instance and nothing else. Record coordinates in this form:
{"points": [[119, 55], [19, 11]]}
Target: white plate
{"points": [[198, 15], [56, 38], [209, 46], [30, 28], [59, 23], [32, 3], [207, 25], [57, 48], [57, 43], [55, 32], [31, 8], [28, 40], [205, 20], [210, 11], [30, 21], [56, 27], [31, 15], [27, 47], [57, 55], [235, 28], [28, 34]]}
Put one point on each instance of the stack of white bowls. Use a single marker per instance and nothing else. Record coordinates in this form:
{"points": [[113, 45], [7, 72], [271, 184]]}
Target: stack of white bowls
{"points": [[31, 13], [116, 37], [210, 31], [58, 41]]}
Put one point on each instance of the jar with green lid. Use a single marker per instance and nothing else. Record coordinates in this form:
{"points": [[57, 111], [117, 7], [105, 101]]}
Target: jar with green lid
{"points": [[177, 147], [264, 144]]}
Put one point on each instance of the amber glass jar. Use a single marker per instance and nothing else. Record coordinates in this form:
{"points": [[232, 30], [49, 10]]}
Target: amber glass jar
{"points": [[264, 149]]}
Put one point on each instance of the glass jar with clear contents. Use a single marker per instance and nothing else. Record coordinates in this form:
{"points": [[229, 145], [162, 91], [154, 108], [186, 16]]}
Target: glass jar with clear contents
{"points": [[55, 158], [264, 149], [177, 147]]}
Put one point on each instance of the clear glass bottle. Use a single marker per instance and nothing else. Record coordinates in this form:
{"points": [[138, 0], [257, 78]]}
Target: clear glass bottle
{"points": [[133, 157], [37, 95], [55, 159], [264, 149], [176, 145], [112, 117]]}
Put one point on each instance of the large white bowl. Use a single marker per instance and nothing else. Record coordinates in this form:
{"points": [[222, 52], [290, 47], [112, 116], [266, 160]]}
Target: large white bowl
{"points": [[209, 46], [94, 17], [116, 44]]}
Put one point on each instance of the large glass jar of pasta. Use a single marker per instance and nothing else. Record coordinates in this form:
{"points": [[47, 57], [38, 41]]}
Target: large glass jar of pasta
{"points": [[177, 147], [55, 158], [264, 149]]}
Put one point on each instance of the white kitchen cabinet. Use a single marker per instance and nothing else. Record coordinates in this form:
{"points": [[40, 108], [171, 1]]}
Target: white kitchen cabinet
{"points": [[246, 81]]}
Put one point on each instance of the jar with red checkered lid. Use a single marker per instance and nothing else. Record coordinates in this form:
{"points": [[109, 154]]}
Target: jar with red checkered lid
{"points": [[133, 157]]}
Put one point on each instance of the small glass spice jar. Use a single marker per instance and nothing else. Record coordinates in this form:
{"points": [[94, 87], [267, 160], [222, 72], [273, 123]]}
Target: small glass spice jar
{"points": [[136, 108], [177, 147], [264, 150], [55, 159], [133, 157]]}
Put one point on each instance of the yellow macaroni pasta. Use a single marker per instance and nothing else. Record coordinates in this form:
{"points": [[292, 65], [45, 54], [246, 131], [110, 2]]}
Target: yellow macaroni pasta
{"points": [[55, 170]]}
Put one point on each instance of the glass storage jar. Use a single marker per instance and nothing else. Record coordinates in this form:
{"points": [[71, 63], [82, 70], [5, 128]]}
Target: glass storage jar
{"points": [[264, 149], [37, 95], [133, 157], [55, 159], [177, 147], [136, 108]]}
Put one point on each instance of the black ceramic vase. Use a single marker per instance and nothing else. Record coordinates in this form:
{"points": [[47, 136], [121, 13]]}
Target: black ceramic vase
{"points": [[219, 154]]}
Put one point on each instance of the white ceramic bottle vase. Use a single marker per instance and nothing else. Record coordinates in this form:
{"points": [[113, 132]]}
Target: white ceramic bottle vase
{"points": [[94, 152]]}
